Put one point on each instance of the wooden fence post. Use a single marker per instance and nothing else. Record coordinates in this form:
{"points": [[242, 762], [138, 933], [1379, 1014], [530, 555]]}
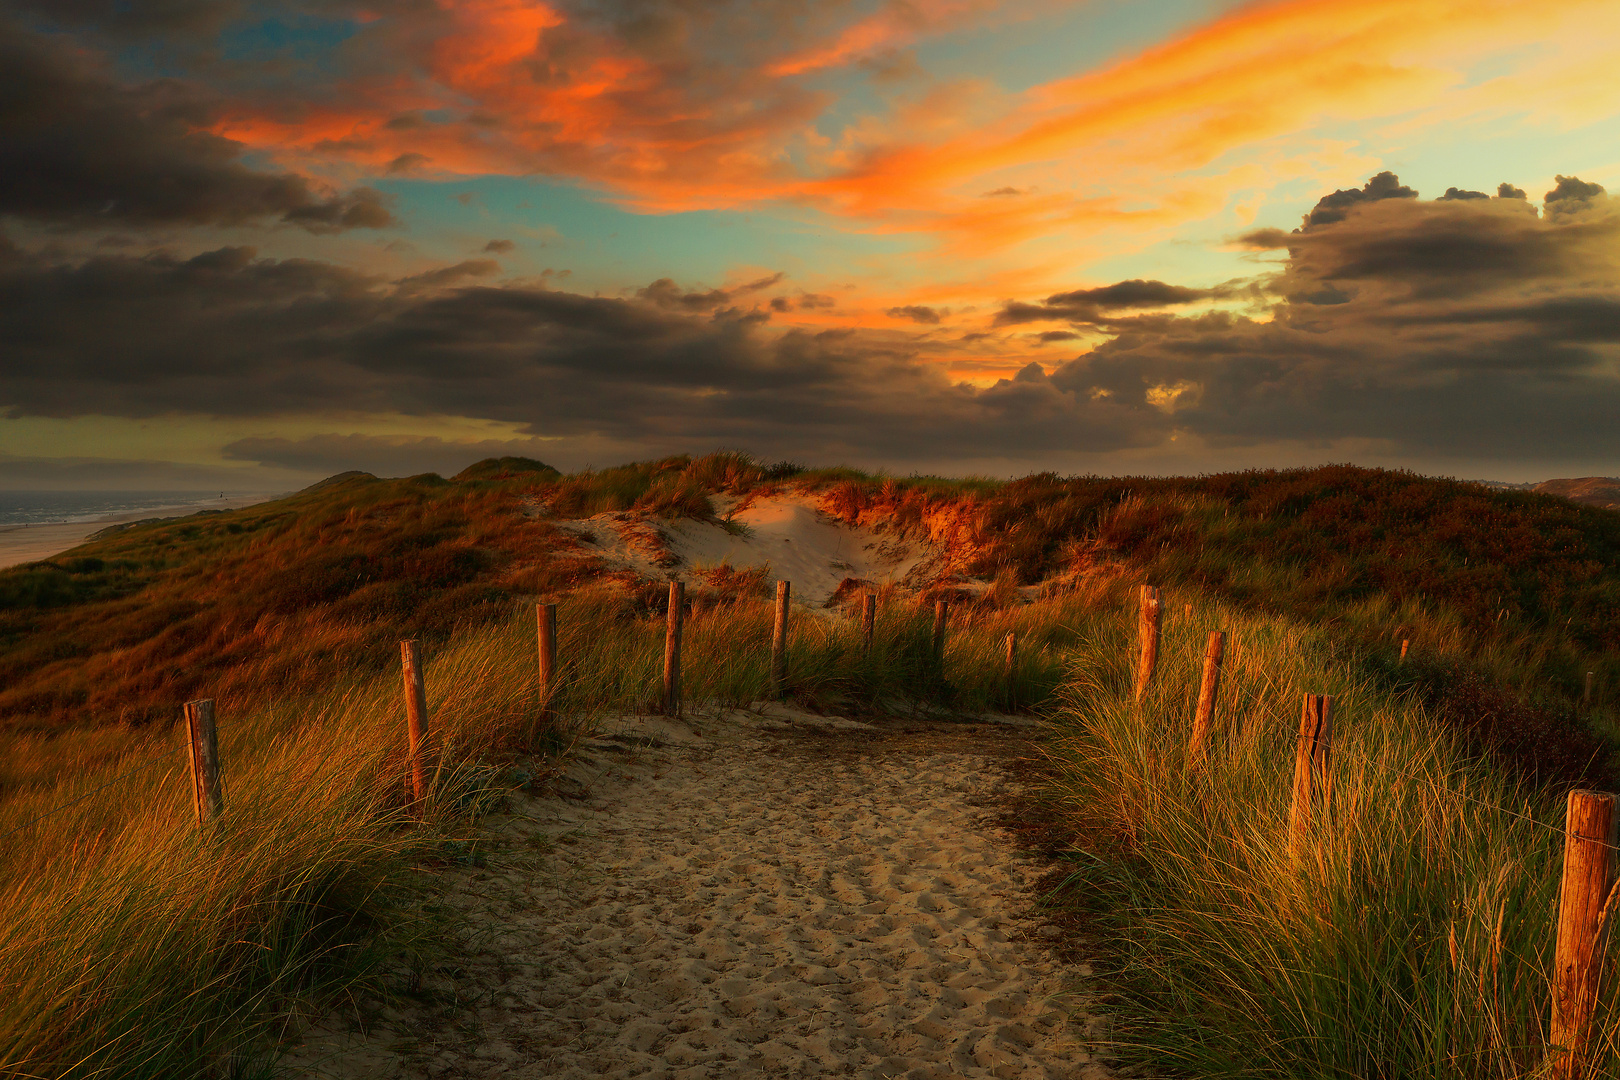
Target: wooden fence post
{"points": [[1589, 837], [672, 649], [1404, 643], [1586, 694], [1152, 617], [942, 612], [202, 744], [1012, 670], [1313, 785], [868, 622], [784, 593], [1207, 691], [546, 618], [416, 715]]}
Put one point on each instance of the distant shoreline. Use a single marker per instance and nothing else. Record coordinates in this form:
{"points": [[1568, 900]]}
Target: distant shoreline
{"points": [[34, 541]]}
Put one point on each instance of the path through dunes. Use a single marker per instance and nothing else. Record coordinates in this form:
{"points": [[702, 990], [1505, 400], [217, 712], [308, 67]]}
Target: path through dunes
{"points": [[758, 896]]}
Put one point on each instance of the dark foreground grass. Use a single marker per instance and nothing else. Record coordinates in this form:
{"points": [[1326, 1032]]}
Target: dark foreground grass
{"points": [[1414, 936]]}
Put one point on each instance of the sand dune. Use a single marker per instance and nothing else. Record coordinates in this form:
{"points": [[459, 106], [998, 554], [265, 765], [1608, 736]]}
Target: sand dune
{"points": [[764, 895], [787, 534]]}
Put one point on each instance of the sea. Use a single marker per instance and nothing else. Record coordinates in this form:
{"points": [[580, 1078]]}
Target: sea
{"points": [[67, 507]]}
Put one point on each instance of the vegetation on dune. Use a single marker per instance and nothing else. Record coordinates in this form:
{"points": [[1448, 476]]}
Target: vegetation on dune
{"points": [[1413, 935], [130, 945], [1413, 941]]}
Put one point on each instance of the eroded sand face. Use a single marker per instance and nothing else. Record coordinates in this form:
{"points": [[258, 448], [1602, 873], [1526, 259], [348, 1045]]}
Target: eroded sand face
{"points": [[754, 898], [786, 534]]}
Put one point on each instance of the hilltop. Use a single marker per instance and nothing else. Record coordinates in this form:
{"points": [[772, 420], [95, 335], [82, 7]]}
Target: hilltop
{"points": [[251, 603]]}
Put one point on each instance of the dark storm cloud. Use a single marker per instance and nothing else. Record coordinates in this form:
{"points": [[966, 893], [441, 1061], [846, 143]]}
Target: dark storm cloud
{"points": [[229, 334], [1446, 328], [77, 146], [1090, 305], [1334, 207], [1571, 196]]}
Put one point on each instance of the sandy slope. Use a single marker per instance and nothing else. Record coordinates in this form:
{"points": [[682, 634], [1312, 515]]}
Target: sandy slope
{"points": [[786, 533], [760, 896]]}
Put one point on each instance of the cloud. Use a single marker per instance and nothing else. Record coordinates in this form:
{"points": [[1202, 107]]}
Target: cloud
{"points": [[499, 247], [1089, 305], [78, 147], [1572, 196], [666, 294], [1432, 330], [1334, 207], [917, 313]]}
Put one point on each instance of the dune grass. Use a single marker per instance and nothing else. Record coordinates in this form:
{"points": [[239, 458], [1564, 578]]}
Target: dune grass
{"points": [[132, 945], [1414, 936]]}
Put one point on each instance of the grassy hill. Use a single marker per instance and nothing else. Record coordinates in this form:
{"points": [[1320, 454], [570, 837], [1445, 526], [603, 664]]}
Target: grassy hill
{"points": [[1518, 589], [125, 952]]}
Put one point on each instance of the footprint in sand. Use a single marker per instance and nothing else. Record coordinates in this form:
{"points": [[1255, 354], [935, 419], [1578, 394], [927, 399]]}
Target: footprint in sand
{"points": [[770, 899]]}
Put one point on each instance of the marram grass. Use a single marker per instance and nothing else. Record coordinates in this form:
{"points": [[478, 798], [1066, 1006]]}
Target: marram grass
{"points": [[133, 946], [1413, 936]]}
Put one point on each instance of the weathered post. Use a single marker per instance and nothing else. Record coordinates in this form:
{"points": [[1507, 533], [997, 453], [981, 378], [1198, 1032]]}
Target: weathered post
{"points": [[1207, 691], [672, 649], [868, 622], [202, 745], [1149, 622], [1586, 693], [1012, 670], [784, 593], [942, 612], [416, 715], [1404, 643], [1589, 837], [546, 618], [1313, 784]]}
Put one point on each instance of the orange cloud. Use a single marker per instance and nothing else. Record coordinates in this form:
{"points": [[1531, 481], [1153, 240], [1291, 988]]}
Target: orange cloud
{"points": [[518, 87]]}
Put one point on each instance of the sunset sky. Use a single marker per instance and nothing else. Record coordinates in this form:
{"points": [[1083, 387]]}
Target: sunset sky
{"points": [[247, 244]]}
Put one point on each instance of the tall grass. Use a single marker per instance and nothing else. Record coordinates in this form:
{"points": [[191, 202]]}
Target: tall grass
{"points": [[1413, 938], [132, 945]]}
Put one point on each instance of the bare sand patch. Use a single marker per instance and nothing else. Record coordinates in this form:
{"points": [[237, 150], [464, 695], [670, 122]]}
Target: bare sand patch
{"points": [[786, 533], [750, 894]]}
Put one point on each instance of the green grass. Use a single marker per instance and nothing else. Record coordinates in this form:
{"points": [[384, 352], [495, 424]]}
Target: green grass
{"points": [[130, 945], [1412, 939]]}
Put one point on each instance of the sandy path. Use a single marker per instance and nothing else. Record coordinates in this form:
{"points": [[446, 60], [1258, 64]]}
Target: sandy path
{"points": [[757, 897]]}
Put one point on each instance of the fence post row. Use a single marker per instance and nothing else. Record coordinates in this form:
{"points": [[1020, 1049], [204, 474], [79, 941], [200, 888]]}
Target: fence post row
{"points": [[416, 715], [784, 592], [1152, 617], [546, 618], [672, 649], [868, 621], [942, 612], [1208, 688], [1313, 784], [202, 746], [1589, 837]]}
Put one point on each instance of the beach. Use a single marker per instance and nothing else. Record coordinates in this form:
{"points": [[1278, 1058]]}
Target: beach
{"points": [[30, 543]]}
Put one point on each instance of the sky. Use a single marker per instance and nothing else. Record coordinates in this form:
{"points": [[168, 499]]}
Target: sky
{"points": [[245, 244]]}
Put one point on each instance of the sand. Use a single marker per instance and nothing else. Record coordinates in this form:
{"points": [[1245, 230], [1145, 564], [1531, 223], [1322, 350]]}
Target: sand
{"points": [[786, 534], [758, 894], [31, 543]]}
